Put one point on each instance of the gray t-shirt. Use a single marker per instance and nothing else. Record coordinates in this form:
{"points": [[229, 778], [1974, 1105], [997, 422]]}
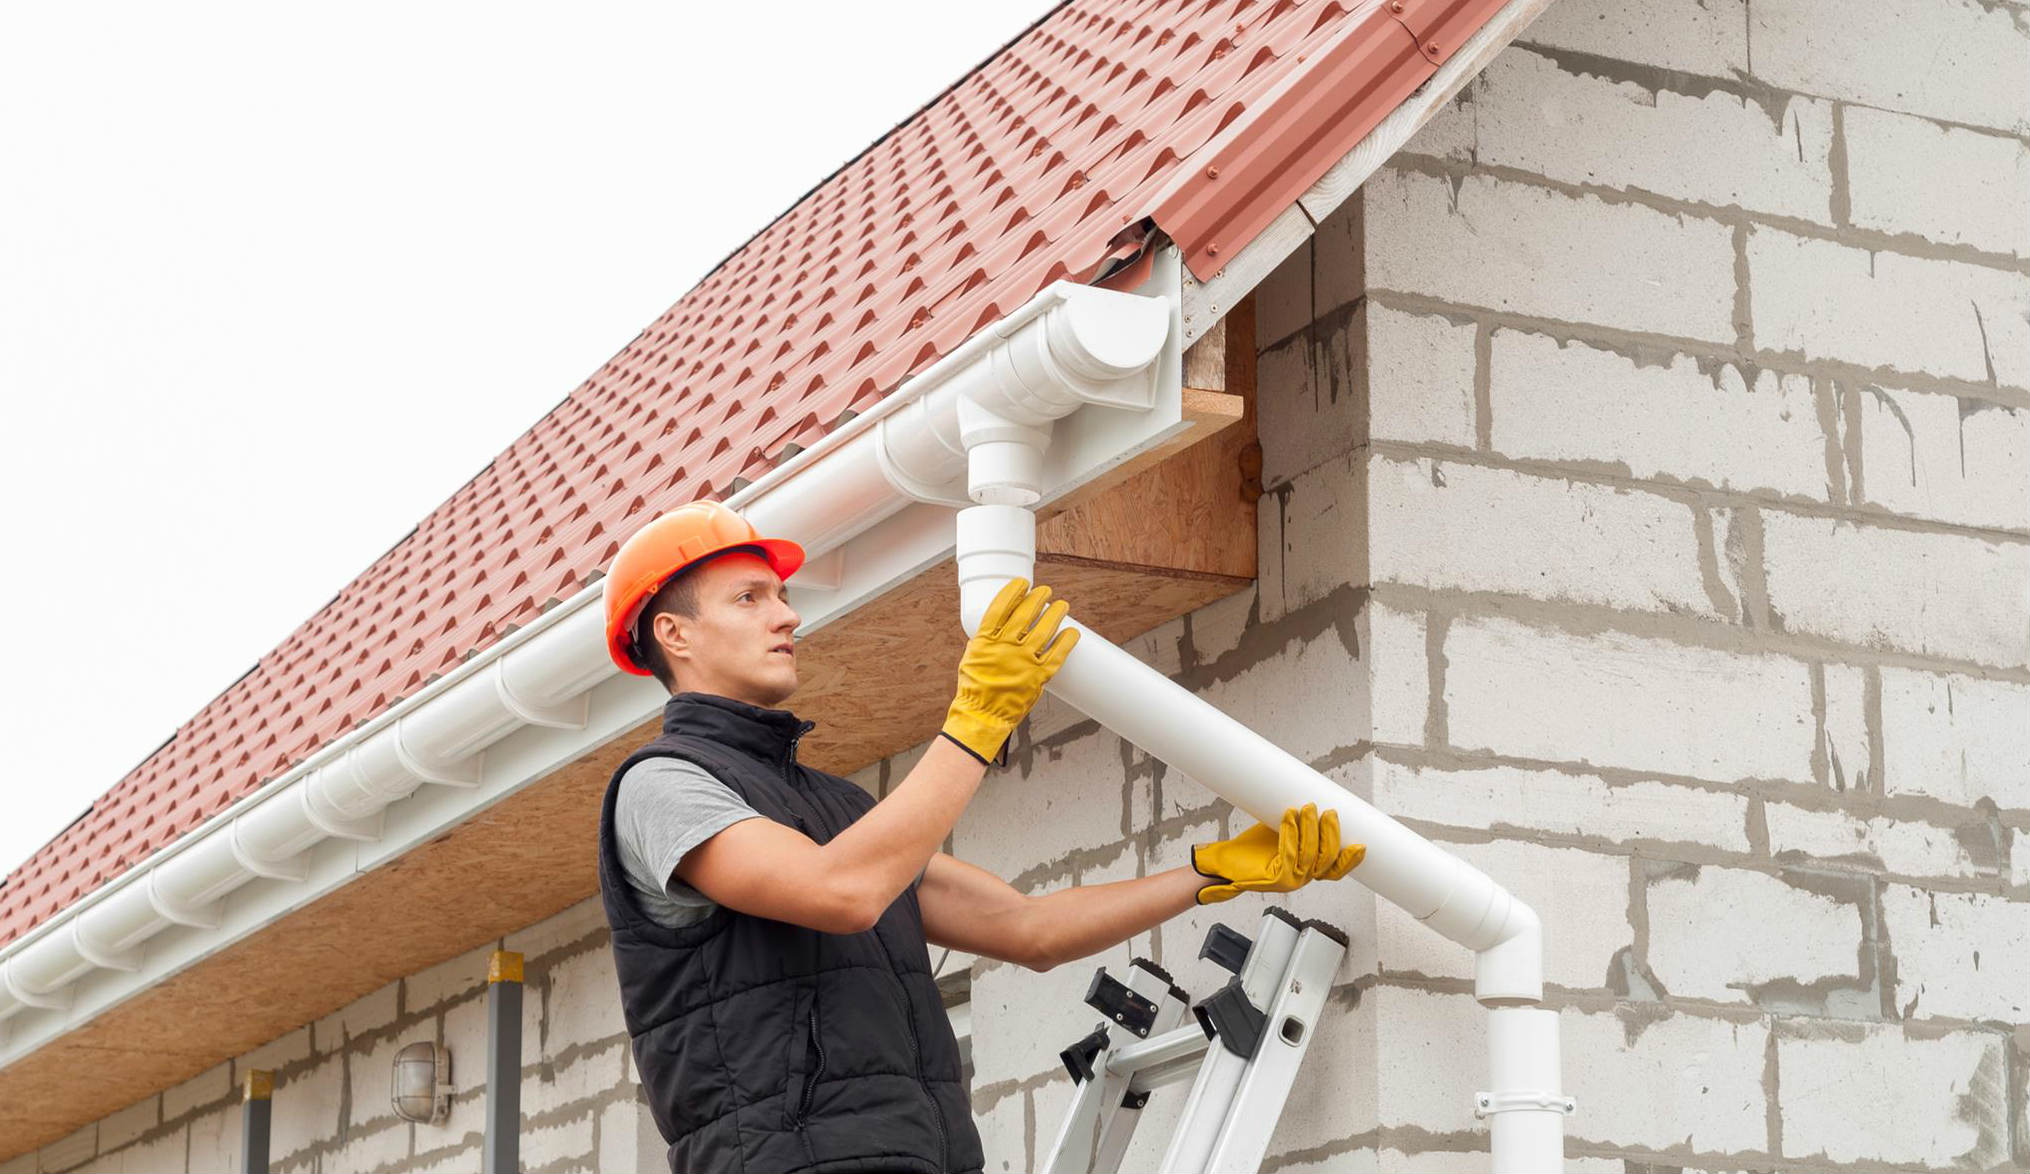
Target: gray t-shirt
{"points": [[666, 807]]}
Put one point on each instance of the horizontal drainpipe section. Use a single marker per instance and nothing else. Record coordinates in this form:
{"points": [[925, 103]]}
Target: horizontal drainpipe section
{"points": [[998, 542], [1069, 346]]}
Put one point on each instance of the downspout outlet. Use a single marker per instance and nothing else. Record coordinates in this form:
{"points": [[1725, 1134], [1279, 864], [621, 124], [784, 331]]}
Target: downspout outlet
{"points": [[1004, 458]]}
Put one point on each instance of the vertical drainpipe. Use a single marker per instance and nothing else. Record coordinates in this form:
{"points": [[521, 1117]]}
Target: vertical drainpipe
{"points": [[503, 1147], [257, 1101], [1525, 1108]]}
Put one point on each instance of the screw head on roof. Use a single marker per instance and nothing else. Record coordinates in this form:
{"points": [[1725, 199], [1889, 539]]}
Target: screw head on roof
{"points": [[1433, 46], [1212, 173], [1212, 250], [1397, 6]]}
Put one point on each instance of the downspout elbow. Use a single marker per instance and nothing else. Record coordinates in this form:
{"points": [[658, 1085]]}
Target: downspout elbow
{"points": [[1511, 971]]}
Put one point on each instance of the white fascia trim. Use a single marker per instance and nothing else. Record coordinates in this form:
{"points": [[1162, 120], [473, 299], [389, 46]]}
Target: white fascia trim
{"points": [[873, 502]]}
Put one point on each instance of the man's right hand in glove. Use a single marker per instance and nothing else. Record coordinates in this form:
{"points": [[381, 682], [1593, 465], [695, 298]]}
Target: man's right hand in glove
{"points": [[1005, 665]]}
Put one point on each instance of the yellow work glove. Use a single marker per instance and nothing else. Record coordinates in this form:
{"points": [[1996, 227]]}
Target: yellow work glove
{"points": [[1276, 860], [1005, 665]]}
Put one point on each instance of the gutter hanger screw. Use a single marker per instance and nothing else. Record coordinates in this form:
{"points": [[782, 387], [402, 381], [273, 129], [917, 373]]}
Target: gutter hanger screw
{"points": [[1212, 250], [1433, 46], [1397, 6], [1212, 173]]}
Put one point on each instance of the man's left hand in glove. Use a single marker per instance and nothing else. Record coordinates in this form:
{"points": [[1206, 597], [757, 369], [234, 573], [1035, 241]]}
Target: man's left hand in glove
{"points": [[1276, 860]]}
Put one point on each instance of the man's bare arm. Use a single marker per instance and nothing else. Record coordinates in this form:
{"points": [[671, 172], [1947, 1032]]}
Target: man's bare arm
{"points": [[763, 868], [968, 908]]}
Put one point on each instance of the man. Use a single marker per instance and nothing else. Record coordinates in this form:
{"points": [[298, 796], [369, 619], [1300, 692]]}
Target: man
{"points": [[770, 921]]}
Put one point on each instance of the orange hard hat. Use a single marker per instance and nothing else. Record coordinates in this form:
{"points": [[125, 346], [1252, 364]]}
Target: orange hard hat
{"points": [[670, 544]]}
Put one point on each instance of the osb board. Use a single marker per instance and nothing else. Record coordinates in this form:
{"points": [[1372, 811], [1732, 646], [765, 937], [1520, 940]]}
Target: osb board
{"points": [[1157, 542]]}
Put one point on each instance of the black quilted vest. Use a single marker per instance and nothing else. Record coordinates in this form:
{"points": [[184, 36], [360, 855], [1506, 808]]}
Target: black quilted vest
{"points": [[765, 1047]]}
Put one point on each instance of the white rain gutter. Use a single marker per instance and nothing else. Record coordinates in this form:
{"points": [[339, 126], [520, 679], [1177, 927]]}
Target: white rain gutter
{"points": [[1076, 381]]}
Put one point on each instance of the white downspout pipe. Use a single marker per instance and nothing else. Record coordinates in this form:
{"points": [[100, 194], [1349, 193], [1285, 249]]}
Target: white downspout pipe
{"points": [[997, 542]]}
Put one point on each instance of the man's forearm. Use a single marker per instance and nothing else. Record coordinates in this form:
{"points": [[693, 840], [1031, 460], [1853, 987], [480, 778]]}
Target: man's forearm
{"points": [[1076, 922]]}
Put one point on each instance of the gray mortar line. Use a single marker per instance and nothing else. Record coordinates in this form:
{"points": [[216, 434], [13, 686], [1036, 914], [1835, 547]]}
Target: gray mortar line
{"points": [[1723, 601], [1842, 201], [1695, 492], [1851, 439], [1871, 708], [1772, 1100], [1588, 619], [1825, 395], [1821, 749], [1483, 379], [1652, 349], [1907, 244], [1744, 299], [1437, 718]]}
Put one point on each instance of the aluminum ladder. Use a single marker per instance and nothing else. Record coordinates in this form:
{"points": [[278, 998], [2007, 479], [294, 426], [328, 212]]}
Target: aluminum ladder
{"points": [[1245, 1046]]}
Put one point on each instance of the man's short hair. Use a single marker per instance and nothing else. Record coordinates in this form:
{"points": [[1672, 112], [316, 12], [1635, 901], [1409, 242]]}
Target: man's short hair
{"points": [[677, 596]]}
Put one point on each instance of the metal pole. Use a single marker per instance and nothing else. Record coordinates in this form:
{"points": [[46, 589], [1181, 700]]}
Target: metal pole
{"points": [[502, 1153], [257, 1101]]}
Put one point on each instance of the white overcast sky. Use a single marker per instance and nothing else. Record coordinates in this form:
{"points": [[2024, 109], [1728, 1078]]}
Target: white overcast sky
{"points": [[275, 280]]}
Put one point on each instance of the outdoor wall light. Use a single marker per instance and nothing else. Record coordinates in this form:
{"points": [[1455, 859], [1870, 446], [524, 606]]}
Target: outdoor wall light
{"points": [[421, 1090]]}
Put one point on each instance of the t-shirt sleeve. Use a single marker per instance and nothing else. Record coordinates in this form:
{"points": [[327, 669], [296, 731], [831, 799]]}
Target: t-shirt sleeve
{"points": [[666, 807]]}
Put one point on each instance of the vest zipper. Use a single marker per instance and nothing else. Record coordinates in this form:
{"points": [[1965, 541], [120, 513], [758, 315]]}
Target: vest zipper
{"points": [[811, 1082]]}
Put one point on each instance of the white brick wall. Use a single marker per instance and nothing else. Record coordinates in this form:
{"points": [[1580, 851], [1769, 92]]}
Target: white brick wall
{"points": [[1945, 595], [1824, 300], [1614, 700], [1944, 183], [1716, 933], [1876, 1094], [1683, 421], [1525, 250], [1582, 128], [1946, 458], [1540, 803], [1959, 955], [1955, 737], [1704, 37], [1957, 60]]}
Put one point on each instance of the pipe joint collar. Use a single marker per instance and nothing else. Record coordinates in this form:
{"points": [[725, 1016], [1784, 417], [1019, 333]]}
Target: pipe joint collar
{"points": [[996, 543]]}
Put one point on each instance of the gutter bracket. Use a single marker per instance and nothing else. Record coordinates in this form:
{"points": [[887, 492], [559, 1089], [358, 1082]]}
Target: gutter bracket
{"points": [[1487, 1104], [332, 824], [128, 959], [288, 870], [464, 773], [59, 1001], [572, 715], [175, 911]]}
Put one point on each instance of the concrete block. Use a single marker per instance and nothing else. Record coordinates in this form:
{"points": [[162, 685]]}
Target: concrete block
{"points": [[1534, 113], [1310, 403], [370, 1076], [1901, 847], [1958, 60], [464, 1037], [1399, 673], [592, 1074], [1945, 458], [382, 1149], [1069, 799], [1959, 955], [1458, 527], [276, 1054], [1845, 736], [1633, 702], [465, 1123], [584, 1002], [1004, 1136], [1322, 533], [1022, 1018], [1825, 300], [452, 978], [567, 927], [1721, 933], [1509, 800], [1309, 697], [124, 1125], [1450, 132], [1217, 628], [628, 1139], [1956, 738], [1338, 266], [1581, 896], [72, 1149], [459, 1161], [214, 1084], [1707, 37], [1877, 1095], [1420, 377], [1685, 1083], [1943, 183], [215, 1141], [367, 1013], [1952, 595], [1433, 1051], [569, 1141], [1335, 1097], [1685, 420], [305, 1109], [1526, 250]]}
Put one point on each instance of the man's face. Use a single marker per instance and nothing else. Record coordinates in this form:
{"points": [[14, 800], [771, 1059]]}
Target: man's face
{"points": [[739, 645]]}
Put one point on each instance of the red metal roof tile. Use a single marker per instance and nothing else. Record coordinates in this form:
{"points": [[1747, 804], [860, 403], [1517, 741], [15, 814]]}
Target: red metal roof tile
{"points": [[1208, 117]]}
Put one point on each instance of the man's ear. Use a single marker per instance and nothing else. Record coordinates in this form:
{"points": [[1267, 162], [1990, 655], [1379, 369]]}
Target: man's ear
{"points": [[667, 630]]}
